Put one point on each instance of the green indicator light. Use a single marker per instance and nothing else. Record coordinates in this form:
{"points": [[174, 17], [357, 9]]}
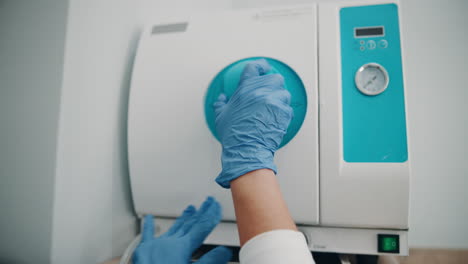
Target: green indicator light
{"points": [[388, 243]]}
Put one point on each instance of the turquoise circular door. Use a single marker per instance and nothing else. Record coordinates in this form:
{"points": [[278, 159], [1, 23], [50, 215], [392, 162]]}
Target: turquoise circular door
{"points": [[227, 80]]}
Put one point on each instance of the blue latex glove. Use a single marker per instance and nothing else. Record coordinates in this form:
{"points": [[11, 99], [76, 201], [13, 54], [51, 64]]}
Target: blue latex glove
{"points": [[188, 232], [252, 123]]}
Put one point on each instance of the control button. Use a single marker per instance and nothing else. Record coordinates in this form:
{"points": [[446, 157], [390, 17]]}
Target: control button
{"points": [[388, 243], [383, 44], [371, 44], [362, 42], [362, 48]]}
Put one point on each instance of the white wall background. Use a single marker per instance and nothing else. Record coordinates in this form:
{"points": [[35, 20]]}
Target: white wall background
{"points": [[32, 36], [436, 37], [92, 212]]}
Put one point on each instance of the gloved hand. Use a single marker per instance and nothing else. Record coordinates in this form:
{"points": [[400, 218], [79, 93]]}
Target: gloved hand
{"points": [[252, 123], [186, 235]]}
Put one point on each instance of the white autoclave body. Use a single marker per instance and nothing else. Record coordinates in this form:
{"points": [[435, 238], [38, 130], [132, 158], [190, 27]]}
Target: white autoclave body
{"points": [[340, 206]]}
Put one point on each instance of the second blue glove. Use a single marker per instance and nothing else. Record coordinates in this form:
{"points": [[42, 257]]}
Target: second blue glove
{"points": [[186, 234]]}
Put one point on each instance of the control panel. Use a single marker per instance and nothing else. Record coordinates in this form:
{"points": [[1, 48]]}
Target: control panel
{"points": [[373, 103]]}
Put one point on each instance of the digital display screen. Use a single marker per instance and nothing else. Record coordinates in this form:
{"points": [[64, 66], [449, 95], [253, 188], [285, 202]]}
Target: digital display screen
{"points": [[369, 31]]}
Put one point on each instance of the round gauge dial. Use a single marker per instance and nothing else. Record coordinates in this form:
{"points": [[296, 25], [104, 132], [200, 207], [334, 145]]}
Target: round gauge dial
{"points": [[372, 79]]}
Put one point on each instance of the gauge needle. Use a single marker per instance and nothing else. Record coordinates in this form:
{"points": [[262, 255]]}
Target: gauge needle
{"points": [[370, 81]]}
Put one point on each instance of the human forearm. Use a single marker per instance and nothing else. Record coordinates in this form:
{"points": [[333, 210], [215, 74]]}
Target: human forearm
{"points": [[251, 125], [259, 204]]}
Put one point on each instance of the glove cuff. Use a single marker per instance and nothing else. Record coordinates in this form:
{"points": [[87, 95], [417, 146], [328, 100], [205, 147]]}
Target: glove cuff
{"points": [[237, 164]]}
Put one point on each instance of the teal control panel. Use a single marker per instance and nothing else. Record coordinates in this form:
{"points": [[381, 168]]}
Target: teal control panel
{"points": [[373, 103]]}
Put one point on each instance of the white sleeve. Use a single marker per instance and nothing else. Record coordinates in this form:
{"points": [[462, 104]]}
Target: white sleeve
{"points": [[278, 246]]}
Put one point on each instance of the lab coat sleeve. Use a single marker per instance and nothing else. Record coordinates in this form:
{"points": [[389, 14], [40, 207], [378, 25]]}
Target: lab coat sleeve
{"points": [[275, 247]]}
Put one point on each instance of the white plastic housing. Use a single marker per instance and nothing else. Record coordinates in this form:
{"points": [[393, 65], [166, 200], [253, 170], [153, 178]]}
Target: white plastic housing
{"points": [[173, 156], [174, 159]]}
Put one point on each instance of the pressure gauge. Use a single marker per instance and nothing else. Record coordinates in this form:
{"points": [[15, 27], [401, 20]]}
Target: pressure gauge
{"points": [[371, 79]]}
